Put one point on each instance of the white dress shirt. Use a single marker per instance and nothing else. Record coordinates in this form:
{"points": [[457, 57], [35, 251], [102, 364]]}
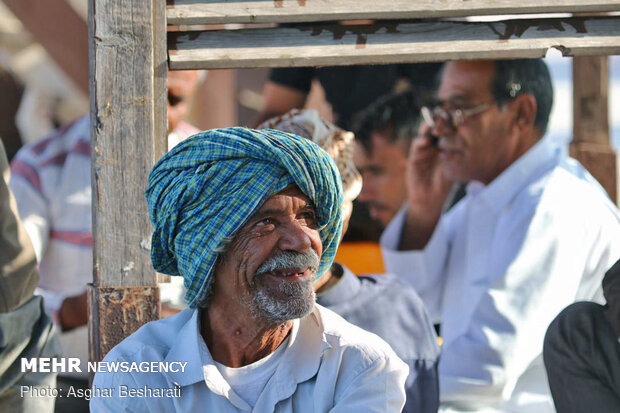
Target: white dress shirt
{"points": [[328, 365], [500, 266]]}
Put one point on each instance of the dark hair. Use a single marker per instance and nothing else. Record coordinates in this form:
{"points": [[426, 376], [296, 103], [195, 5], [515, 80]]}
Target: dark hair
{"points": [[397, 115], [531, 76]]}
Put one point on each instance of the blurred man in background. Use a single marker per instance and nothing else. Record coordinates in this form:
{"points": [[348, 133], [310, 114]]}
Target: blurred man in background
{"points": [[383, 134], [534, 233]]}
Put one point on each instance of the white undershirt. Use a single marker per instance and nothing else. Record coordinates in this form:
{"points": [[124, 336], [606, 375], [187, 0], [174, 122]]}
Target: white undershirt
{"points": [[250, 381]]}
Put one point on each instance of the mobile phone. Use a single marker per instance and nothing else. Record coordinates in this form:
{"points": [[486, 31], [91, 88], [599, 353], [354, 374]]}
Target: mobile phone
{"points": [[428, 118]]}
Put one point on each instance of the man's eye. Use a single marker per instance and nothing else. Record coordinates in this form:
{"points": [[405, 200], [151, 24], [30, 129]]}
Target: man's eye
{"points": [[264, 222], [309, 217], [174, 100]]}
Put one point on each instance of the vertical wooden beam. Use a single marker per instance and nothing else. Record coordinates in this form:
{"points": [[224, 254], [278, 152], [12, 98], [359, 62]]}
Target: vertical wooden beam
{"points": [[590, 143], [128, 133]]}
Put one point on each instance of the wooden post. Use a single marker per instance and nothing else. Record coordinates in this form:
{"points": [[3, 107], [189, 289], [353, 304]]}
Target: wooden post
{"points": [[128, 132], [590, 143]]}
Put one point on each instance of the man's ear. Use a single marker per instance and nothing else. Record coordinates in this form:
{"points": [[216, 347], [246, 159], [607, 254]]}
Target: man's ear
{"points": [[525, 108]]}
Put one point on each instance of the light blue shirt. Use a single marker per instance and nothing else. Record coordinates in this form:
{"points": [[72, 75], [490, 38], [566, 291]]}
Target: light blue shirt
{"points": [[383, 305], [328, 366]]}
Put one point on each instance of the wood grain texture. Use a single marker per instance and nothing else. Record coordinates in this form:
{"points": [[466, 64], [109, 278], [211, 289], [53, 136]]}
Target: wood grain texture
{"points": [[121, 311], [600, 161], [391, 42], [127, 111], [590, 99], [590, 143], [188, 12]]}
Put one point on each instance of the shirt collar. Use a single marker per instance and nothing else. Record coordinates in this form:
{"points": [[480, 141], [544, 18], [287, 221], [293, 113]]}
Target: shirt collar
{"points": [[187, 347], [344, 290], [300, 362], [542, 156], [217, 383]]}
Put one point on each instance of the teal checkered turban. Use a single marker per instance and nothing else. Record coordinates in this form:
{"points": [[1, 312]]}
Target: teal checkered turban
{"points": [[208, 186]]}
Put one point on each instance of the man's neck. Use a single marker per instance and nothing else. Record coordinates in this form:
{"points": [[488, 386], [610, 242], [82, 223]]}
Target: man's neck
{"points": [[235, 339], [329, 279], [525, 142]]}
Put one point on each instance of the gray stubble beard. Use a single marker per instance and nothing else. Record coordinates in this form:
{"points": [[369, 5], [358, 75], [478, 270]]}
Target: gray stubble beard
{"points": [[299, 297]]}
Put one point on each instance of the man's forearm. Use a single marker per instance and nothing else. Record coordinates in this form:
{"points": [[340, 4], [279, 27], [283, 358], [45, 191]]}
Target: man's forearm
{"points": [[73, 312]]}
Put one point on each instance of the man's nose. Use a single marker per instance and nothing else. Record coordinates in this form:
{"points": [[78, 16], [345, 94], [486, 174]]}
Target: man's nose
{"points": [[443, 126], [293, 237]]}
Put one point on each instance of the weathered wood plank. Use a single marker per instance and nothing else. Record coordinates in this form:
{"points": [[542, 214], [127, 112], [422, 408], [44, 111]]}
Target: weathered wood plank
{"points": [[128, 132], [188, 12], [590, 143], [391, 42], [123, 111], [590, 96], [123, 310], [160, 75]]}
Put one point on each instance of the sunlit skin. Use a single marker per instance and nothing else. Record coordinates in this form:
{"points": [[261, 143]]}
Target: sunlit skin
{"points": [[286, 221], [383, 172], [181, 87], [487, 143]]}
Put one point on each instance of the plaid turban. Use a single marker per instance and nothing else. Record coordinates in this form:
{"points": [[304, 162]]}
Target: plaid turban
{"points": [[208, 186]]}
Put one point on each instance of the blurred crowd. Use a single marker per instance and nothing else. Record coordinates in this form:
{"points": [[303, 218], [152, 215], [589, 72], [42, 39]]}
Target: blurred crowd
{"points": [[472, 245]]}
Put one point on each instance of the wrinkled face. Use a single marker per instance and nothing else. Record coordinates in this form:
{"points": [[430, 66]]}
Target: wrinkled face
{"points": [[485, 144], [181, 86], [272, 261], [383, 172]]}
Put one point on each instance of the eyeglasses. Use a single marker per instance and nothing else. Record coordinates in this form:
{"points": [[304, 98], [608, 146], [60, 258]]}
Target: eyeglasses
{"points": [[455, 117]]}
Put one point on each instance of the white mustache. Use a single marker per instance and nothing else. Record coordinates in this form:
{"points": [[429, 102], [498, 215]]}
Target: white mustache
{"points": [[290, 259]]}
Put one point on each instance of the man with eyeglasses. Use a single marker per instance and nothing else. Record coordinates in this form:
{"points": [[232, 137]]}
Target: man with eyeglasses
{"points": [[534, 233]]}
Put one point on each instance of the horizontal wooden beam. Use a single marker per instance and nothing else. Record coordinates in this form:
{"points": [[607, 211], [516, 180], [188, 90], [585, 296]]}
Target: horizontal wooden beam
{"points": [[190, 12], [391, 42]]}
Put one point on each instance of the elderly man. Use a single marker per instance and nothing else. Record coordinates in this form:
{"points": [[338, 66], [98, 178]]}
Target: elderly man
{"points": [[250, 219], [377, 303], [534, 233]]}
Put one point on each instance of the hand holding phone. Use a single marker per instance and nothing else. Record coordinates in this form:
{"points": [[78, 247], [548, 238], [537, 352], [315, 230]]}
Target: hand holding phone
{"points": [[428, 119]]}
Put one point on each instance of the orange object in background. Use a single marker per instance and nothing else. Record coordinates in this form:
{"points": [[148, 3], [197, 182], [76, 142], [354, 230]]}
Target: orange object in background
{"points": [[361, 257]]}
